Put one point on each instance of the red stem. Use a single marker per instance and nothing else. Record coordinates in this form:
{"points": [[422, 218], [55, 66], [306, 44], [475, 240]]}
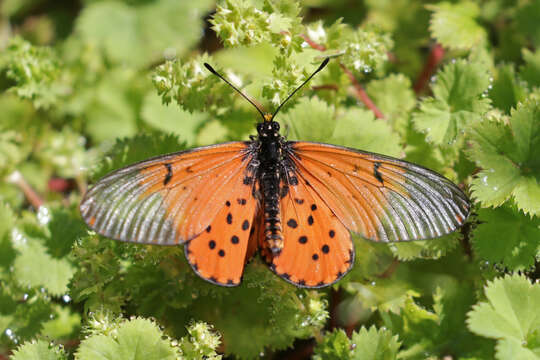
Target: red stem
{"points": [[434, 59], [361, 93], [31, 195], [359, 89], [313, 44]]}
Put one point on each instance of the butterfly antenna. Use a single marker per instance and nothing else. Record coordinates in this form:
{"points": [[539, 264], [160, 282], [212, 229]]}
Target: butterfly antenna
{"points": [[211, 69], [324, 63]]}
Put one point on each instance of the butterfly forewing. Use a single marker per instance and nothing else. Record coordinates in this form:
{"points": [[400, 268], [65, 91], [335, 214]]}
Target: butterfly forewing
{"points": [[168, 199], [379, 197]]}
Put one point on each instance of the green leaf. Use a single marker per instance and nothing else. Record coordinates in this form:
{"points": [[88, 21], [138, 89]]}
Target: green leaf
{"points": [[511, 315], [441, 331], [368, 344], [135, 339], [394, 97], [458, 101], [38, 350], [171, 119], [7, 252], [526, 19], [334, 346], [33, 258], [140, 35], [510, 158], [507, 236], [359, 129], [63, 324], [530, 71], [65, 227], [507, 91], [311, 120], [454, 25], [374, 344], [430, 249], [110, 111]]}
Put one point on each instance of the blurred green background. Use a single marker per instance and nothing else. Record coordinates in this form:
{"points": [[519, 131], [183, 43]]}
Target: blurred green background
{"points": [[90, 86]]}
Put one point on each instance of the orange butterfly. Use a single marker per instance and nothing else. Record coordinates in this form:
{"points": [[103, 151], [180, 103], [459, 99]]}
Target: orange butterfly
{"points": [[295, 201]]}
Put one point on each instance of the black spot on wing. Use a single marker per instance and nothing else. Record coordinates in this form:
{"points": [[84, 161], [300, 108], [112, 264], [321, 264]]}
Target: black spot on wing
{"points": [[292, 223], [376, 172], [169, 174]]}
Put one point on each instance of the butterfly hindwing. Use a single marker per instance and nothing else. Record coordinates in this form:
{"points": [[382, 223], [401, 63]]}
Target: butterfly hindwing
{"points": [[317, 248], [379, 197], [168, 199], [219, 253]]}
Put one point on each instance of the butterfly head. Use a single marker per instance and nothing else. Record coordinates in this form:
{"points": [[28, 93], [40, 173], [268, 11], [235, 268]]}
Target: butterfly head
{"points": [[268, 129]]}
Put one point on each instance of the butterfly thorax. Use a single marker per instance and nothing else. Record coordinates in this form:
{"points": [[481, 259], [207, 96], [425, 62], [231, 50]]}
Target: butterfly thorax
{"points": [[270, 173]]}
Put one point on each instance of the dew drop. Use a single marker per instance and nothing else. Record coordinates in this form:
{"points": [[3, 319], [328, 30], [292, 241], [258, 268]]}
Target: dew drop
{"points": [[25, 297], [9, 332], [495, 188], [43, 215], [66, 298], [373, 283]]}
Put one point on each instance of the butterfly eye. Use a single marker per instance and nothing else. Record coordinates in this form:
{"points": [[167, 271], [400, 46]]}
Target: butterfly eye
{"points": [[275, 126], [259, 128]]}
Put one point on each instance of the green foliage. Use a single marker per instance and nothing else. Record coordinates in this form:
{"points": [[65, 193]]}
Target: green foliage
{"points": [[35, 72], [510, 315], [89, 88], [455, 25], [38, 350], [508, 238], [509, 155], [368, 344], [138, 34], [458, 101], [134, 339]]}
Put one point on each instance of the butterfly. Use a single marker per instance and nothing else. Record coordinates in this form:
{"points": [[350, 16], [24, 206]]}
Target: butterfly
{"points": [[296, 202]]}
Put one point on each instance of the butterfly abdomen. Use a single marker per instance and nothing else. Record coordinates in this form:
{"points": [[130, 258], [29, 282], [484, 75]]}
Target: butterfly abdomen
{"points": [[270, 158], [269, 181]]}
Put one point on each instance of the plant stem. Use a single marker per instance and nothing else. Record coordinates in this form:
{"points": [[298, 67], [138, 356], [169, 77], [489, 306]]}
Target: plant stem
{"points": [[434, 59], [359, 92], [31, 195]]}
